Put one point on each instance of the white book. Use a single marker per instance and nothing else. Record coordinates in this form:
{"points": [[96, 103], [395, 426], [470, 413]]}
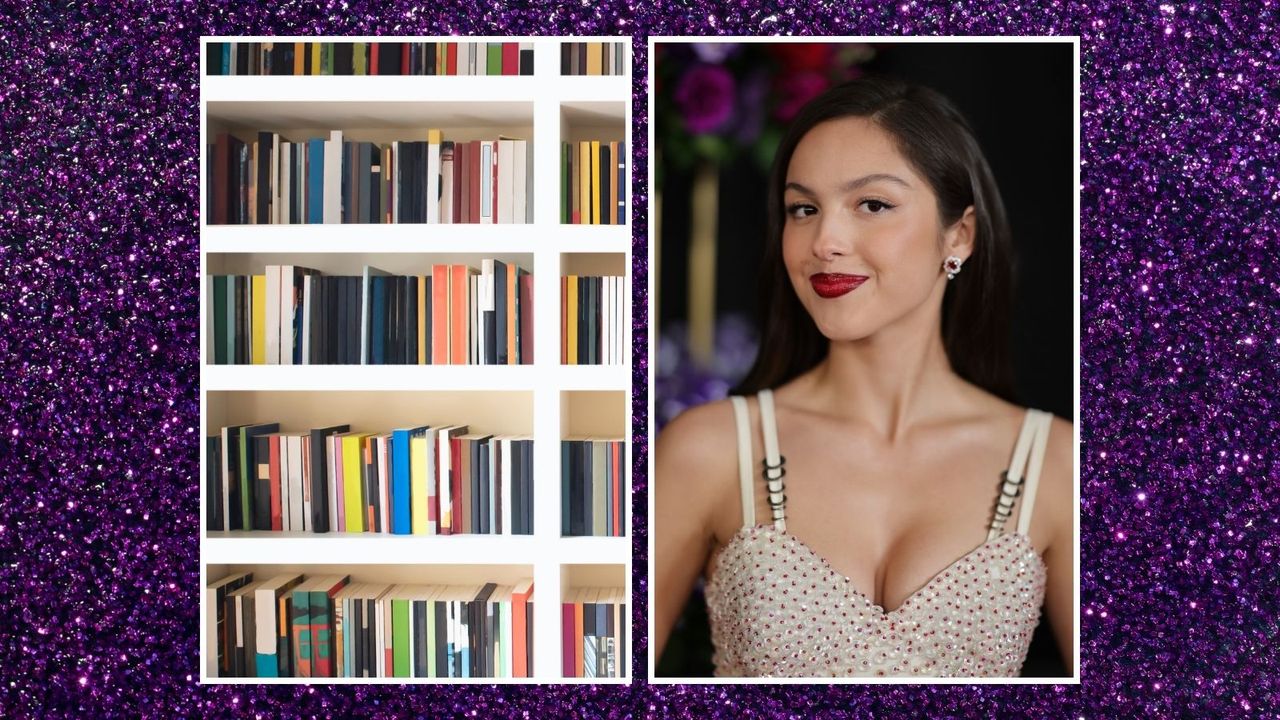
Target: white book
{"points": [[508, 490], [286, 522], [430, 479], [473, 307], [274, 215], [482, 61], [494, 511], [286, 181], [331, 480], [506, 181], [384, 480], [395, 184], [606, 320], [304, 456], [266, 622], [297, 518], [308, 285], [273, 315], [433, 176], [528, 183], [519, 182], [488, 164]]}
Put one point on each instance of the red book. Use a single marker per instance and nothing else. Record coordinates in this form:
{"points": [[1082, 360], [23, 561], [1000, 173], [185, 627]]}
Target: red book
{"points": [[276, 523], [404, 58], [373, 58], [473, 162], [519, 610], [510, 58], [566, 638], [440, 314], [526, 319], [455, 483], [453, 58]]}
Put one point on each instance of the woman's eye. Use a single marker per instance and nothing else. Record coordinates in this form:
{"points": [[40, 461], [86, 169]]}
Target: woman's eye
{"points": [[800, 210], [876, 206]]}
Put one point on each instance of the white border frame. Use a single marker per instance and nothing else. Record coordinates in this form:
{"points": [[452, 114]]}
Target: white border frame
{"points": [[1074, 41]]}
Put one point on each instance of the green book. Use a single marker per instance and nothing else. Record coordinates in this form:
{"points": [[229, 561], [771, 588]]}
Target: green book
{"points": [[358, 60], [230, 281], [400, 639], [494, 64], [431, 639]]}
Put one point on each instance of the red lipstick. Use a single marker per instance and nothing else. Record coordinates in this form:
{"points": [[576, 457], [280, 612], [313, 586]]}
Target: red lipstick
{"points": [[833, 285]]}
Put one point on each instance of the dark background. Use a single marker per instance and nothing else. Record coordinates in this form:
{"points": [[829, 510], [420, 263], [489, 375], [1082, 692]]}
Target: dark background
{"points": [[1020, 100]]}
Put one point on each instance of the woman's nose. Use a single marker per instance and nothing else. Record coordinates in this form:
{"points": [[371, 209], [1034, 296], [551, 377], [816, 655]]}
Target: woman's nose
{"points": [[834, 239]]}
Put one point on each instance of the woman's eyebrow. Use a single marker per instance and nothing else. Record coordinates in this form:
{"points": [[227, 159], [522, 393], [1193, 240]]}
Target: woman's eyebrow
{"points": [[854, 184]]}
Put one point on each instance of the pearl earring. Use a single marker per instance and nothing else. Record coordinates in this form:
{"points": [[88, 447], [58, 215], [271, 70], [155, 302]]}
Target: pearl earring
{"points": [[952, 266]]}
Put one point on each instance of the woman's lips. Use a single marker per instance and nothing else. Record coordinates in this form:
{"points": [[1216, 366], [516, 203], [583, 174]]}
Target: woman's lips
{"points": [[833, 285]]}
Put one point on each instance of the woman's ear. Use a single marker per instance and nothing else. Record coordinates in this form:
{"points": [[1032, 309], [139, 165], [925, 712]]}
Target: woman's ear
{"points": [[958, 239]]}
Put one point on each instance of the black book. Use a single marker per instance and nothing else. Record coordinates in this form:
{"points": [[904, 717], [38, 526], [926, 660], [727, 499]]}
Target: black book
{"points": [[320, 476], [518, 498], [476, 482], [566, 64], [343, 58], [213, 483], [242, 58], [347, 164], [575, 488], [242, 316], [526, 484], [582, 320], [526, 62], [429, 61], [441, 649], [262, 483], [352, 319], [263, 200], [589, 620], [370, 495], [606, 208], [213, 59], [411, 320], [582, 58], [584, 474], [284, 59], [486, 498], [306, 58], [284, 647], [567, 498], [235, 516], [622, 637], [419, 620], [427, 320], [500, 270], [356, 629], [389, 58], [233, 631], [341, 301]]}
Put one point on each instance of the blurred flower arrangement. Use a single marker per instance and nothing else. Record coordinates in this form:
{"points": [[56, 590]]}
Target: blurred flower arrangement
{"points": [[717, 100], [681, 383]]}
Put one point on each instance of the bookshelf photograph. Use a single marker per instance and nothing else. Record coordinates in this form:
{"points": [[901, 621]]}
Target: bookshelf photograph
{"points": [[434, 474]]}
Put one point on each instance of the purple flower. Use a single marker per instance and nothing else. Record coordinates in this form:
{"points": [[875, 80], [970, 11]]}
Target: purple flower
{"points": [[795, 90], [705, 97]]}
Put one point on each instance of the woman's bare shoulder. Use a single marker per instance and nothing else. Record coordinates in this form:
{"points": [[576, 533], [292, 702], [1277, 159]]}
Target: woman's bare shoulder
{"points": [[702, 438]]}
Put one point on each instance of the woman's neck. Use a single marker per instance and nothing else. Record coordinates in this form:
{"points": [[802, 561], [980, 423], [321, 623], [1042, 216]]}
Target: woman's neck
{"points": [[889, 381]]}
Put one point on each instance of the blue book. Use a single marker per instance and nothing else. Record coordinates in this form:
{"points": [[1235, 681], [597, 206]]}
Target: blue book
{"points": [[401, 518], [315, 180], [226, 59]]}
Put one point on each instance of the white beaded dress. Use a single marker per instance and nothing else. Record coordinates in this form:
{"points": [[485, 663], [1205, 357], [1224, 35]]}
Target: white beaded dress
{"points": [[778, 609]]}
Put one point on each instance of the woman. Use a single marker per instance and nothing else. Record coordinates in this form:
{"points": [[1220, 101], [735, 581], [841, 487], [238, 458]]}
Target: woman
{"points": [[913, 520]]}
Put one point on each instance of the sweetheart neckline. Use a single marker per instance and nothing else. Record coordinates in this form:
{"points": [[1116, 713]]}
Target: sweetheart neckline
{"points": [[849, 584]]}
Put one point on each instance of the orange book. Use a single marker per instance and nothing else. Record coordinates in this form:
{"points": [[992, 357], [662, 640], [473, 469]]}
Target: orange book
{"points": [[611, 204], [440, 314], [458, 284], [577, 637], [298, 50]]}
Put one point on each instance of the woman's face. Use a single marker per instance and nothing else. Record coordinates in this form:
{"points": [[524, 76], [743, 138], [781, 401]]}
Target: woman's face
{"points": [[862, 239]]}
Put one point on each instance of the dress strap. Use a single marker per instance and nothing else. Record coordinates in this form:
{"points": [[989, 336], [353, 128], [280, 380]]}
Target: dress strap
{"points": [[774, 470], [1031, 441], [743, 423]]}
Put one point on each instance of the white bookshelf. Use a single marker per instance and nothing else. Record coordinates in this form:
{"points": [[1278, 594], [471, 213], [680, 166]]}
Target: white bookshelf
{"points": [[540, 399]]}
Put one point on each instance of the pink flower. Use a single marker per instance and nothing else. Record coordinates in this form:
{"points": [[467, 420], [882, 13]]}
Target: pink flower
{"points": [[705, 97], [793, 91]]}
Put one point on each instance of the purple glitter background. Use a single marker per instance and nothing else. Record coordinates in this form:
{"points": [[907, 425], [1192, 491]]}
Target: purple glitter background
{"points": [[1180, 128]]}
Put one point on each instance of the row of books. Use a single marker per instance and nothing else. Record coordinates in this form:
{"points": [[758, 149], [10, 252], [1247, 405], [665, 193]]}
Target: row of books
{"points": [[593, 625], [264, 178], [593, 488], [369, 58], [592, 58], [412, 481], [294, 315], [593, 320], [593, 182], [291, 625]]}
